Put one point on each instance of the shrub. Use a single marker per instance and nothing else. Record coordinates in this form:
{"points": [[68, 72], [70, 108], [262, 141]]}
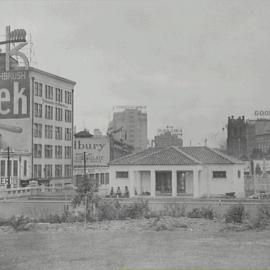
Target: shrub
{"points": [[262, 217], [207, 213], [195, 213], [135, 210], [235, 214], [112, 209], [19, 223], [108, 209], [4, 222], [175, 210], [165, 224]]}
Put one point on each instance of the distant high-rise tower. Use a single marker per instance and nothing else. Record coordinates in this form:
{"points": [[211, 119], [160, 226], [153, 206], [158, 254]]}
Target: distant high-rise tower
{"points": [[237, 137], [132, 121], [248, 139], [169, 136]]}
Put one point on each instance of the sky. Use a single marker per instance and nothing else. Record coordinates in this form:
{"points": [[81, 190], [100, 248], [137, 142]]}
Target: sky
{"points": [[192, 63]]}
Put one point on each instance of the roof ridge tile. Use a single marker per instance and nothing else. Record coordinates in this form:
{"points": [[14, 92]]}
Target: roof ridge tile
{"points": [[229, 158], [150, 154], [130, 155], [187, 155]]}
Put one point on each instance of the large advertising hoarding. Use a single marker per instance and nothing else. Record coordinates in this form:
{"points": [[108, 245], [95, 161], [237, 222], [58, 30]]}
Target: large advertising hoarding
{"points": [[96, 149], [15, 110]]}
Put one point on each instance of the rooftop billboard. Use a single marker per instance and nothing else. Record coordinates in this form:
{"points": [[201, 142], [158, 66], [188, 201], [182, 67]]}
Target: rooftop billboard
{"points": [[96, 149], [15, 110]]}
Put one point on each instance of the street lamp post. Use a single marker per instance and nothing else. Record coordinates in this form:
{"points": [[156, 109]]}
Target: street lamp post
{"points": [[8, 167]]}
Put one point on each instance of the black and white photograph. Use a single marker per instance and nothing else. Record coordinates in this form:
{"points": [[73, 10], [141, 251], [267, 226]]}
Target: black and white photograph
{"points": [[134, 134]]}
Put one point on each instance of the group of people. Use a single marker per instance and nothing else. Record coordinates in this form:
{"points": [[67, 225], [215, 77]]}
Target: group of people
{"points": [[119, 194]]}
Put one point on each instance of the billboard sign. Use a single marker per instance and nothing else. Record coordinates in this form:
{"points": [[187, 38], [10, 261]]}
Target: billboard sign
{"points": [[14, 95], [15, 110], [262, 165], [96, 149]]}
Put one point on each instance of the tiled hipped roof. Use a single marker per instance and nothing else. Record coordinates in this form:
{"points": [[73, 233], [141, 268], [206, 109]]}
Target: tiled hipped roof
{"points": [[176, 156]]}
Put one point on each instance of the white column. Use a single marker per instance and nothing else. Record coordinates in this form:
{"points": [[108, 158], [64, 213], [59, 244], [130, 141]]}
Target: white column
{"points": [[153, 183], [131, 183], [112, 179], [139, 183], [196, 183], [174, 183]]}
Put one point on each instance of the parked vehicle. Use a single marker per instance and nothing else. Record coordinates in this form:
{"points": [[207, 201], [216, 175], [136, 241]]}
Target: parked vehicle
{"points": [[260, 195], [33, 183]]}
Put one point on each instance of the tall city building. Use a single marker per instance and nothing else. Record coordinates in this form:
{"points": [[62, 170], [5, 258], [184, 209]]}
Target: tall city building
{"points": [[169, 136], [131, 122], [248, 139], [36, 119]]}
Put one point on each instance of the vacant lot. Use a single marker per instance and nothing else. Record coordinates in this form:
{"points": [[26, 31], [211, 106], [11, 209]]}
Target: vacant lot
{"points": [[128, 245]]}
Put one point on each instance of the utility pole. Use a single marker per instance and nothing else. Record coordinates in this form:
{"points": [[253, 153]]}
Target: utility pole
{"points": [[84, 164], [84, 179], [8, 167]]}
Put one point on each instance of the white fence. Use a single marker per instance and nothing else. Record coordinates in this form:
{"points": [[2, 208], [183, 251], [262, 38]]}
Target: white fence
{"points": [[261, 183], [255, 184], [28, 191]]}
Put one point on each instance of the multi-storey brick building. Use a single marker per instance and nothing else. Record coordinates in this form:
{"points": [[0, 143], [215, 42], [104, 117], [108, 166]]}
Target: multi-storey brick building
{"points": [[52, 125], [36, 113]]}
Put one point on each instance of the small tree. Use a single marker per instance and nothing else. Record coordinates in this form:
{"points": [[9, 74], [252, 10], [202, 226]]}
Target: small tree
{"points": [[258, 170], [87, 194]]}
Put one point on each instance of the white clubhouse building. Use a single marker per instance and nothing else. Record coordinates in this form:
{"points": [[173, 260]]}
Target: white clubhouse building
{"points": [[178, 171]]}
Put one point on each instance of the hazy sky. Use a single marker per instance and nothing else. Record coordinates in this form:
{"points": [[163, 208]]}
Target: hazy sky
{"points": [[192, 63]]}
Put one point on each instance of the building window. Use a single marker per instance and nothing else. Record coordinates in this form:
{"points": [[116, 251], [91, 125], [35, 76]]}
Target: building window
{"points": [[219, 174], [48, 151], [68, 170], [68, 97], [37, 130], [37, 171], [121, 174], [58, 94], [15, 167], [102, 179], [58, 151], [58, 133], [38, 89], [58, 114], [3, 167], [68, 134], [48, 170], [68, 151], [25, 168], [239, 174], [9, 164], [48, 112], [68, 116], [38, 110], [48, 131], [37, 150], [106, 178], [49, 92], [58, 170]]}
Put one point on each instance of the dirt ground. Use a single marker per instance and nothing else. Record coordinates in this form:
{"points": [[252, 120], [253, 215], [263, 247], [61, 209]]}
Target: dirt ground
{"points": [[134, 244]]}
